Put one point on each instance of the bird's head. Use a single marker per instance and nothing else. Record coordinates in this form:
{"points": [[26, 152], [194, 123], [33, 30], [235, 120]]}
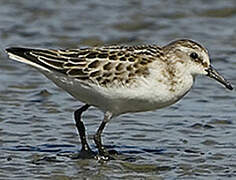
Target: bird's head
{"points": [[194, 58]]}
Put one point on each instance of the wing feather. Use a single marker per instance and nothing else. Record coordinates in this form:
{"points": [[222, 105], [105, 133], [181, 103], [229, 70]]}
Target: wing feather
{"points": [[105, 66]]}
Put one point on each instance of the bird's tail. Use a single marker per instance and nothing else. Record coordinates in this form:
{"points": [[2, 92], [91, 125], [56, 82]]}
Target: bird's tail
{"points": [[42, 59]]}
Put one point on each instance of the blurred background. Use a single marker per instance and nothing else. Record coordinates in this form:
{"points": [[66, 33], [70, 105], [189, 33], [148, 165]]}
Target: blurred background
{"points": [[193, 139]]}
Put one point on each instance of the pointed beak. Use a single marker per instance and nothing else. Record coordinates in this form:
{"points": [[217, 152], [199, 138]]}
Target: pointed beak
{"points": [[212, 73]]}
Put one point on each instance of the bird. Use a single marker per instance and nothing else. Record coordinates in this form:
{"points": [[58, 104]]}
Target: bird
{"points": [[119, 79]]}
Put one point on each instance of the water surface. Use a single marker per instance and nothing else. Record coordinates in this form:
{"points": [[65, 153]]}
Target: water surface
{"points": [[193, 139]]}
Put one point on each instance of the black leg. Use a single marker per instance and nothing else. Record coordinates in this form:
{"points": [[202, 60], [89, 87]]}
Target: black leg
{"points": [[86, 151], [97, 138]]}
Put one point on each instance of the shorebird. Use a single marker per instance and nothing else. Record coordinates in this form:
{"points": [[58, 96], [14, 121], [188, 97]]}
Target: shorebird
{"points": [[121, 79]]}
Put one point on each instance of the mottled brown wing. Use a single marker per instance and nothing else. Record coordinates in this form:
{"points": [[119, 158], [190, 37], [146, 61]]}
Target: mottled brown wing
{"points": [[105, 66]]}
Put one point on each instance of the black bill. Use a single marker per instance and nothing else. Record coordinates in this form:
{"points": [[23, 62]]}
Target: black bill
{"points": [[212, 73]]}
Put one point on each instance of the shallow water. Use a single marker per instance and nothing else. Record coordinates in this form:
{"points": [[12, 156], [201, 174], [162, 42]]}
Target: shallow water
{"points": [[193, 139]]}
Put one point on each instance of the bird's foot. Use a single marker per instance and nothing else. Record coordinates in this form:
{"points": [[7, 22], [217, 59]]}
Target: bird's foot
{"points": [[85, 154], [106, 155]]}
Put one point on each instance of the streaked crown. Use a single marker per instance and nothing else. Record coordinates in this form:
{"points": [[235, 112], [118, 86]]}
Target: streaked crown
{"points": [[189, 54]]}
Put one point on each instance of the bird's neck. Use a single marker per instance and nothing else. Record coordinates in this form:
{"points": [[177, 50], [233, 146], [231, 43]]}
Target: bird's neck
{"points": [[181, 80]]}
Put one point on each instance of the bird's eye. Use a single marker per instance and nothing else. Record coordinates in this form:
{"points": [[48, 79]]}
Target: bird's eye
{"points": [[194, 55]]}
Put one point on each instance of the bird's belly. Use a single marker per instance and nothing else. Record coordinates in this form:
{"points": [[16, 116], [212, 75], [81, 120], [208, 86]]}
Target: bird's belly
{"points": [[138, 100], [145, 99], [142, 104], [118, 100]]}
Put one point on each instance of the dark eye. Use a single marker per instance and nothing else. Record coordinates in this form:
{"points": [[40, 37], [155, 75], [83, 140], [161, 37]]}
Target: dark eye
{"points": [[194, 55]]}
